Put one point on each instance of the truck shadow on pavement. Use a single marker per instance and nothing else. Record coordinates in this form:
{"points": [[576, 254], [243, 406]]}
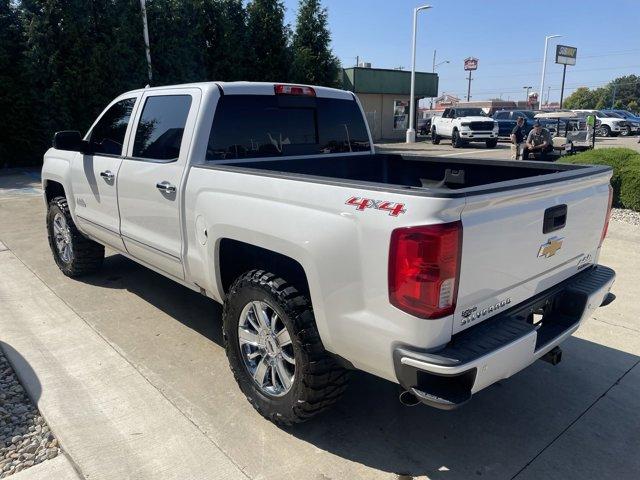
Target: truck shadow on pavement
{"points": [[501, 430]]}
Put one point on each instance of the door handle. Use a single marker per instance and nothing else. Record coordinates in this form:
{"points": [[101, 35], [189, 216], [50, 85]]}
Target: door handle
{"points": [[108, 175], [165, 187]]}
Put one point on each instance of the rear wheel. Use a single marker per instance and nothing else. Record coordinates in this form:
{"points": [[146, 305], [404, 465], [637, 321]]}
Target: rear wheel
{"points": [[492, 143], [74, 253], [435, 139], [275, 352]]}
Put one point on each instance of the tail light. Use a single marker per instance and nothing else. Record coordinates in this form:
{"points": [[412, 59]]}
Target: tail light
{"points": [[424, 268], [608, 217], [294, 90]]}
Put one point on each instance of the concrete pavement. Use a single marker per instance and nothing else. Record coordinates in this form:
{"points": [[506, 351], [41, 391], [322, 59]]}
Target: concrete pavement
{"points": [[576, 420], [59, 468]]}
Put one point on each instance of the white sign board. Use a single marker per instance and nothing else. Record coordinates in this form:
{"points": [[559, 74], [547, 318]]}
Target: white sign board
{"points": [[470, 63], [566, 55]]}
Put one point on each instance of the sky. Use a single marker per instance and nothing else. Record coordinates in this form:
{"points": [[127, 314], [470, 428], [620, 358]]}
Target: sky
{"points": [[506, 36]]}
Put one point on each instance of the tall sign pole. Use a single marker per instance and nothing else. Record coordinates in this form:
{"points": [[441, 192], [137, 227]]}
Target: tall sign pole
{"points": [[470, 64], [565, 55]]}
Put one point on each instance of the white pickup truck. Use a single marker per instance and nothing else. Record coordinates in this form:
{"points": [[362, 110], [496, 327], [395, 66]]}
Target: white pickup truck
{"points": [[441, 275], [463, 125]]}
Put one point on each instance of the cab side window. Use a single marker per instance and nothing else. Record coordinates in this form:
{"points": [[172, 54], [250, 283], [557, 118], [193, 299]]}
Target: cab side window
{"points": [[107, 136], [161, 125]]}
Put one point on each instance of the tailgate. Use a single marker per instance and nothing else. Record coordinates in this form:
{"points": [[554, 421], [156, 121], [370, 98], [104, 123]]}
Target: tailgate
{"points": [[506, 256]]}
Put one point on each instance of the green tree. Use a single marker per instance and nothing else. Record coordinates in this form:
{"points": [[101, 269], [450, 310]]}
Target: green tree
{"points": [[313, 60], [268, 39], [80, 55], [224, 30], [626, 89], [581, 98], [15, 128]]}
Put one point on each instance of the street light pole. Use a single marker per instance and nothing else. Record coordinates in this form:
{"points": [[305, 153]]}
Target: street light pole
{"points": [[544, 65], [433, 70], [411, 132]]}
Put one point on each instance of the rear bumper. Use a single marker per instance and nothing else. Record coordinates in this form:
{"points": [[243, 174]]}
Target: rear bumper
{"points": [[502, 345]]}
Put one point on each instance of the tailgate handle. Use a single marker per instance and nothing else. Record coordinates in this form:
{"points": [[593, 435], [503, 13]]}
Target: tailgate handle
{"points": [[555, 218]]}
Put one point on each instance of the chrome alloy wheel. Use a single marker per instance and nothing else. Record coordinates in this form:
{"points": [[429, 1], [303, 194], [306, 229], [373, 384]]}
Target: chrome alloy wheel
{"points": [[266, 348], [62, 238]]}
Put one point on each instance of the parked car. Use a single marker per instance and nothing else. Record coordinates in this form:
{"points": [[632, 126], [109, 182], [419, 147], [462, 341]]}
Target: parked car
{"points": [[443, 275], [633, 122], [507, 121], [463, 125], [424, 126], [609, 126]]}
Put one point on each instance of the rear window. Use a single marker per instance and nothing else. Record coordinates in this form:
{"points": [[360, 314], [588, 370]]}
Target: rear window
{"points": [[253, 126]]}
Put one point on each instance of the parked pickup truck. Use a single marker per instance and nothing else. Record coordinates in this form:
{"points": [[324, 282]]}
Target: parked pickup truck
{"points": [[463, 125], [442, 275]]}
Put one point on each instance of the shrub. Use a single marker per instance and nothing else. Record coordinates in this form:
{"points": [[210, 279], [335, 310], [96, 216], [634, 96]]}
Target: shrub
{"points": [[626, 172]]}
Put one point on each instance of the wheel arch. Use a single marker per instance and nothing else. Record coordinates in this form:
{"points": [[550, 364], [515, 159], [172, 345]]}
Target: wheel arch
{"points": [[234, 257], [53, 189]]}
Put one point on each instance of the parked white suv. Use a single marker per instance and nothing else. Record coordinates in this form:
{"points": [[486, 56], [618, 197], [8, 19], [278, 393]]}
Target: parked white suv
{"points": [[463, 125], [608, 126], [442, 275]]}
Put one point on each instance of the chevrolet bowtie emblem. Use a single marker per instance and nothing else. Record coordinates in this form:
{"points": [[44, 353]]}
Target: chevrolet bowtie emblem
{"points": [[550, 248]]}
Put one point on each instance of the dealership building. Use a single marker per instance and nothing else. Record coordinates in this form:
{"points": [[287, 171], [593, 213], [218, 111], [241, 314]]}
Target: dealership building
{"points": [[384, 95]]}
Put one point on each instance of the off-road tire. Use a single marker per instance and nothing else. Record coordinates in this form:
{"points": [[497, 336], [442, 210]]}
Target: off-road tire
{"points": [[435, 139], [319, 381], [491, 143], [87, 256]]}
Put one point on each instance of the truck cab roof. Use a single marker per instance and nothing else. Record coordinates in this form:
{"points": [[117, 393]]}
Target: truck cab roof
{"points": [[251, 88]]}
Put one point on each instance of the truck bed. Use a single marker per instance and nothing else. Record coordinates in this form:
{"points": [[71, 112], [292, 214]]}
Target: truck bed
{"points": [[440, 177]]}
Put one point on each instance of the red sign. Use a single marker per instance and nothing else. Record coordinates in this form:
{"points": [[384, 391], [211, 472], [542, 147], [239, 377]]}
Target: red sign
{"points": [[470, 63]]}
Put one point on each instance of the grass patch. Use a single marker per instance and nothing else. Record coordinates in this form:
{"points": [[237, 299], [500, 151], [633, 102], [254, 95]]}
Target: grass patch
{"points": [[626, 172]]}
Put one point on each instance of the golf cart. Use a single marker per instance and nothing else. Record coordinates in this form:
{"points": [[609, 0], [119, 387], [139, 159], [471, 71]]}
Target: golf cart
{"points": [[571, 132]]}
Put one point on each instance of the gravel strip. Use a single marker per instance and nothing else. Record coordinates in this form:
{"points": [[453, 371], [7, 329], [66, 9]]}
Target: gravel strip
{"points": [[25, 438], [627, 216]]}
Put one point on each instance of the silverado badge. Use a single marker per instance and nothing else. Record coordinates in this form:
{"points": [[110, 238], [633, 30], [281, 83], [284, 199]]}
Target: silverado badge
{"points": [[550, 248]]}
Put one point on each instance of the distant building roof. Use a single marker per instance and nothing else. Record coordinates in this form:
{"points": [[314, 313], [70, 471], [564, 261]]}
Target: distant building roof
{"points": [[398, 82]]}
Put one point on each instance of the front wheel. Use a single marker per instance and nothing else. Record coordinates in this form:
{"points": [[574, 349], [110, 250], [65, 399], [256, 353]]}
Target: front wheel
{"points": [[604, 131], [491, 143], [456, 141], [275, 352], [435, 139], [74, 253]]}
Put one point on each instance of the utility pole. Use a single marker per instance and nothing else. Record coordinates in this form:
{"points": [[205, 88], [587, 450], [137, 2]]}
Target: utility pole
{"points": [[548, 94], [357, 60], [613, 98], [433, 70], [145, 32], [469, 87]]}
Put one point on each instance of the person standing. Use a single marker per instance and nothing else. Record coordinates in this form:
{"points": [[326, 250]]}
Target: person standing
{"points": [[538, 142], [517, 137], [591, 127]]}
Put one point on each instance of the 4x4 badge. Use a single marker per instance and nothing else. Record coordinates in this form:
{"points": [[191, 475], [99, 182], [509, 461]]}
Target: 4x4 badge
{"points": [[550, 248]]}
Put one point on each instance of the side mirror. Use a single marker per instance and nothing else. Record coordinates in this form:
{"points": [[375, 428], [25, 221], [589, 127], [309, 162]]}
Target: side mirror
{"points": [[69, 140]]}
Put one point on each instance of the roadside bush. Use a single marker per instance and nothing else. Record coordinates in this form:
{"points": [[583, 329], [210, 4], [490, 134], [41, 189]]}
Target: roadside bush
{"points": [[626, 173]]}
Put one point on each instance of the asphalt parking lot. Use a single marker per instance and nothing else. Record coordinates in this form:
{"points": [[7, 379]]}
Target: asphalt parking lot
{"points": [[577, 420], [423, 146]]}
